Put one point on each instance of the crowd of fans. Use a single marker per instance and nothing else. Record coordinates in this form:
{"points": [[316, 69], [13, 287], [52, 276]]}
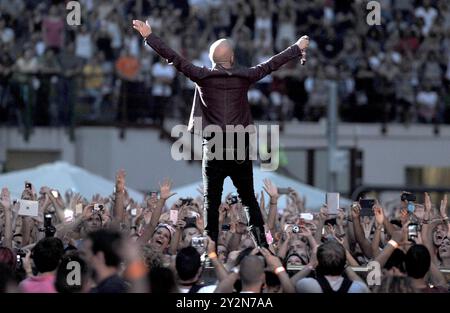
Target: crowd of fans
{"points": [[394, 72], [120, 245]]}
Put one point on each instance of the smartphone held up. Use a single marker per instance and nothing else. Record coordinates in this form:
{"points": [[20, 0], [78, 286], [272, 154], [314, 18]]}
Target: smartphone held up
{"points": [[367, 207]]}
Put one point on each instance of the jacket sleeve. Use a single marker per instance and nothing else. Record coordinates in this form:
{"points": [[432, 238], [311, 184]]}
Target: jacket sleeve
{"points": [[195, 73], [274, 63]]}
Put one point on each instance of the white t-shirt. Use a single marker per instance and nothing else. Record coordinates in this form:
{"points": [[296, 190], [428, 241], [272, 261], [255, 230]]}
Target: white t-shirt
{"points": [[83, 46], [427, 98], [7, 35], [115, 33], [160, 70], [310, 285], [428, 15], [205, 289], [208, 289], [133, 45]]}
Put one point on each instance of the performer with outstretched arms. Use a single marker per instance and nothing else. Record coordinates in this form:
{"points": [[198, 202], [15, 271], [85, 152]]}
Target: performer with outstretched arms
{"points": [[221, 99]]}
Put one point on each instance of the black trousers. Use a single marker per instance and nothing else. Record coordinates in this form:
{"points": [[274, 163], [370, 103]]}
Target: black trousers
{"points": [[214, 172]]}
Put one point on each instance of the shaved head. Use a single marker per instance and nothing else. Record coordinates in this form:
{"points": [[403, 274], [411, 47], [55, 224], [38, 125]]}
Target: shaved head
{"points": [[221, 52], [251, 270]]}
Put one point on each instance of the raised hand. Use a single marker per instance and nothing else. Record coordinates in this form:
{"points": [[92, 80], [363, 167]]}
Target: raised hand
{"points": [[323, 213], [404, 216], [356, 210], [143, 28], [87, 212], [379, 213], [305, 232], [303, 42], [340, 218], [270, 188], [120, 180], [443, 207], [222, 213], [5, 199], [272, 261], [164, 189], [427, 202], [27, 263], [180, 224]]}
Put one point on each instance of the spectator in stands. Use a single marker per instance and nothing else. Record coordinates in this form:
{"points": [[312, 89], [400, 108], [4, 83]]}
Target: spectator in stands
{"points": [[127, 68], [53, 29], [93, 84], [413, 29], [71, 68], [163, 75], [84, 47], [427, 100]]}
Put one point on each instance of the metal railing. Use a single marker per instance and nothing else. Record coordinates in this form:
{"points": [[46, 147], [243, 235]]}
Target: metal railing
{"points": [[54, 99]]}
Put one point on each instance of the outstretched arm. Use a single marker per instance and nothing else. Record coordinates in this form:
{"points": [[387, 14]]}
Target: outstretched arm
{"points": [[191, 71], [274, 63]]}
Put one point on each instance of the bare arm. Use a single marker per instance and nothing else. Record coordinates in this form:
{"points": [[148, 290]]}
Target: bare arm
{"points": [[352, 275], [397, 239], [379, 219], [283, 249], [350, 259], [272, 190], [226, 285], [376, 241], [165, 194], [275, 264], [437, 277], [5, 203], [221, 272], [272, 217], [58, 205], [119, 197], [323, 215], [359, 232], [8, 229], [26, 230], [150, 227], [262, 207], [176, 238], [427, 228]]}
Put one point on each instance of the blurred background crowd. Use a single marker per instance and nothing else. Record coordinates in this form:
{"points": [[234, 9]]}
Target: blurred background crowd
{"points": [[55, 74]]}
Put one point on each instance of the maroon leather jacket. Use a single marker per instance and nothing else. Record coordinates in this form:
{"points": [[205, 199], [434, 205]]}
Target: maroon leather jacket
{"points": [[221, 94]]}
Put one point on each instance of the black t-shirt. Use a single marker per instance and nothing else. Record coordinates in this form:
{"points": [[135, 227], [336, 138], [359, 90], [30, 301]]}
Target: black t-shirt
{"points": [[112, 284]]}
